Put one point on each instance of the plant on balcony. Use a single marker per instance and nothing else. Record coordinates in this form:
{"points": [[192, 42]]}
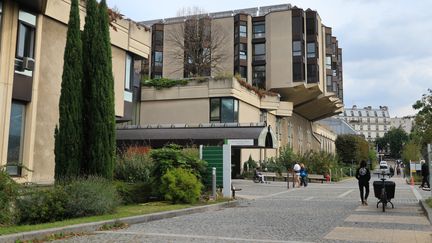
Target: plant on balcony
{"points": [[260, 92], [163, 83]]}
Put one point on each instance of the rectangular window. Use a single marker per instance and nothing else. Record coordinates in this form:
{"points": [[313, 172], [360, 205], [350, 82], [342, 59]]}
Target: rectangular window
{"points": [[158, 58], [128, 71], [297, 71], [25, 41], [297, 25], [243, 72], [329, 82], [310, 26], [158, 37], [223, 110], [16, 138], [263, 115], [259, 77], [258, 29], [297, 48], [259, 52], [328, 40], [312, 73], [243, 29], [311, 50], [243, 51], [328, 62]]}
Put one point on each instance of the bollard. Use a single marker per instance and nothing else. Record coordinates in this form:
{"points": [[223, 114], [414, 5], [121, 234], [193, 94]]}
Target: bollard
{"points": [[214, 182]]}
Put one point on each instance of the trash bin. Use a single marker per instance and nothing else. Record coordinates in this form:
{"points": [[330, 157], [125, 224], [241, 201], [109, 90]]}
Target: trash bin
{"points": [[390, 187]]}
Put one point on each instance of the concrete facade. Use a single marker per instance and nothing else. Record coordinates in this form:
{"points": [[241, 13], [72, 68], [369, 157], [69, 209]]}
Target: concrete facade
{"points": [[39, 110]]}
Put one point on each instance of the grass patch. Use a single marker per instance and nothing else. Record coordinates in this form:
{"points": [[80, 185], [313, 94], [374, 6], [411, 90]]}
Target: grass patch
{"points": [[429, 202], [122, 211]]}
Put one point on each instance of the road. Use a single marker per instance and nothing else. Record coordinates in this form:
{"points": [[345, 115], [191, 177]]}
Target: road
{"points": [[271, 213]]}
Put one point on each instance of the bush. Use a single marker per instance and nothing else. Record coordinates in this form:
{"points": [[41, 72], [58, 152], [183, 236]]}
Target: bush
{"points": [[41, 206], [133, 167], [180, 185], [90, 196], [8, 194], [132, 193]]}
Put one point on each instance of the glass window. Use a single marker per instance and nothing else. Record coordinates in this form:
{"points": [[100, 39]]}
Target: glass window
{"points": [[158, 58], [259, 52], [328, 62], [259, 29], [243, 72], [297, 25], [25, 41], [243, 51], [297, 48], [329, 82], [312, 72], [311, 49], [243, 29], [16, 137], [223, 110], [158, 37], [310, 26], [259, 77], [328, 39], [297, 71], [263, 115], [128, 70]]}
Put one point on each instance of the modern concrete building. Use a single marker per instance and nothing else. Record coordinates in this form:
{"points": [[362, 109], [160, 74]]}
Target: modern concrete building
{"points": [[282, 49], [406, 123], [33, 37], [370, 122]]}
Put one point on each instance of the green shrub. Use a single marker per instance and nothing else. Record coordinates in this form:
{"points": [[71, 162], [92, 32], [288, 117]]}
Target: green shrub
{"points": [[41, 206], [91, 196], [180, 185], [133, 167], [8, 194], [132, 193]]}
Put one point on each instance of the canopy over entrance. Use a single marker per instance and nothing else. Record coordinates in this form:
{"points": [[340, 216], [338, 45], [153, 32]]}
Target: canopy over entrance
{"points": [[256, 136]]}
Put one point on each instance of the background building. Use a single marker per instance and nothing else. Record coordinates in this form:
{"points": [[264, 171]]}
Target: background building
{"points": [[406, 123], [371, 123], [33, 38]]}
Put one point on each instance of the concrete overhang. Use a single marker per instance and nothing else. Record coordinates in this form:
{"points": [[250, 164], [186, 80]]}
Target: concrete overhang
{"points": [[299, 94], [285, 109], [320, 108]]}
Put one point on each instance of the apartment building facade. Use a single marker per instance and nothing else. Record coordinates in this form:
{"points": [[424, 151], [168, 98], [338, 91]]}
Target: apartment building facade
{"points": [[369, 122], [406, 123], [282, 49], [33, 37]]}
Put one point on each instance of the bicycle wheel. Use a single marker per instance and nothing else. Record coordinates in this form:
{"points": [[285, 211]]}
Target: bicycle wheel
{"points": [[383, 199]]}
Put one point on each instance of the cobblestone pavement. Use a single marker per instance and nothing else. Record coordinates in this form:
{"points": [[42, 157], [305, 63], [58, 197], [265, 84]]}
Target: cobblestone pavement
{"points": [[273, 213]]}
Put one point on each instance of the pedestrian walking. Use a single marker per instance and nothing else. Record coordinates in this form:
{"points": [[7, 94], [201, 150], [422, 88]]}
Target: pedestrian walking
{"points": [[425, 174], [363, 176], [303, 175], [296, 169]]}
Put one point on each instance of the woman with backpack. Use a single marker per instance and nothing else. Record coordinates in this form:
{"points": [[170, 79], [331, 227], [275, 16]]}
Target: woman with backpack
{"points": [[303, 175], [363, 176]]}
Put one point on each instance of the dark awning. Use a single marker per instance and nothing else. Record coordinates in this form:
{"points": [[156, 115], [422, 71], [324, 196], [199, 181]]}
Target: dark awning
{"points": [[263, 137]]}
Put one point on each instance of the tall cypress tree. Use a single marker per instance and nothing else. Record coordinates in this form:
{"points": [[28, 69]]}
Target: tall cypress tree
{"points": [[69, 134], [99, 92]]}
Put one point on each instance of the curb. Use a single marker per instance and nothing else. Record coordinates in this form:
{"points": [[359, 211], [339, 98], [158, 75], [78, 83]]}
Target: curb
{"points": [[427, 210], [91, 227]]}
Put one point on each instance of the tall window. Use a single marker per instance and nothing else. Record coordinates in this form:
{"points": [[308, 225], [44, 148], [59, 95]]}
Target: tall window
{"points": [[128, 71], [312, 70], [329, 82], [259, 29], [297, 48], [243, 29], [243, 51], [297, 71], [224, 110], [158, 37], [25, 42], [259, 77], [328, 62], [16, 138], [259, 52], [311, 50], [243, 71], [158, 58]]}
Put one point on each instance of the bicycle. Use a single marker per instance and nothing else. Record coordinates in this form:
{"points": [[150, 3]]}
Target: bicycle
{"points": [[384, 190]]}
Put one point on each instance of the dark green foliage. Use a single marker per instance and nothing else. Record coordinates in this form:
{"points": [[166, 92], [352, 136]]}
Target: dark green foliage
{"points": [[173, 157], [91, 196], [180, 186], [423, 119], [41, 206], [8, 195], [393, 140], [98, 92], [287, 157], [133, 167], [352, 148], [132, 193], [69, 134], [162, 83]]}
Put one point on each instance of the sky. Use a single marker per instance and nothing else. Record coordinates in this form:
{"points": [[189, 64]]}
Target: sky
{"points": [[387, 44]]}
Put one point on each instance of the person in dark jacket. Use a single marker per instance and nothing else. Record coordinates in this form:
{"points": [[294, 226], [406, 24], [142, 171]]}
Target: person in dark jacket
{"points": [[363, 176], [425, 174]]}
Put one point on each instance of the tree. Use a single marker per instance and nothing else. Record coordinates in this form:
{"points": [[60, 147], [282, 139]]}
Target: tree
{"points": [[351, 148], [411, 151], [396, 137], [69, 134], [98, 92], [423, 119], [197, 43]]}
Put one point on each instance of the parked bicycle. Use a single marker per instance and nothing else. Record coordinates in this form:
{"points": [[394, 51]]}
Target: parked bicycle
{"points": [[384, 190]]}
